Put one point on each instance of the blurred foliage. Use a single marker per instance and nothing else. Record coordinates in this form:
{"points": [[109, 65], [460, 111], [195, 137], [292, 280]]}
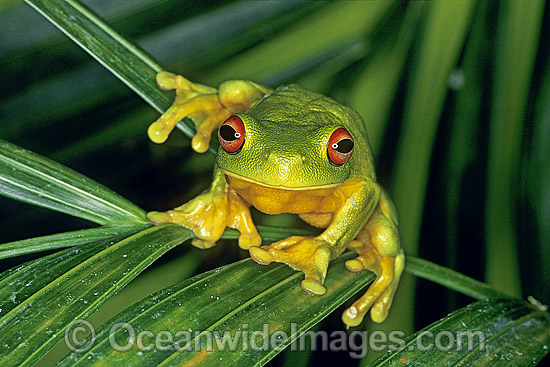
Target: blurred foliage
{"points": [[455, 95]]}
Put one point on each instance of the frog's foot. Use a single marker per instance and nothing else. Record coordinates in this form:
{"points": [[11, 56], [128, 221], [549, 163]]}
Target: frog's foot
{"points": [[209, 214], [379, 296], [308, 254], [207, 107], [196, 101]]}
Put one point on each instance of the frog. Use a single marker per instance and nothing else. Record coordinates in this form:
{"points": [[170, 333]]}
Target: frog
{"points": [[288, 150]]}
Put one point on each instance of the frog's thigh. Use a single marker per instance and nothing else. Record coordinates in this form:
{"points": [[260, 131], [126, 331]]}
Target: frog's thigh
{"points": [[379, 250]]}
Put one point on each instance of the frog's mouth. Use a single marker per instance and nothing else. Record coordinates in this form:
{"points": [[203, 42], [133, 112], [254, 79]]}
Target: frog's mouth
{"points": [[280, 187]]}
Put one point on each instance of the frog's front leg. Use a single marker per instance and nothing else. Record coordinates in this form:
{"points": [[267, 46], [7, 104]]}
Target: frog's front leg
{"points": [[211, 212], [313, 254], [379, 250], [206, 106]]}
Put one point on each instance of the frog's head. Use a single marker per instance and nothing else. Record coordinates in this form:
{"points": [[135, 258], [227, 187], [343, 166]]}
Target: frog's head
{"points": [[292, 138]]}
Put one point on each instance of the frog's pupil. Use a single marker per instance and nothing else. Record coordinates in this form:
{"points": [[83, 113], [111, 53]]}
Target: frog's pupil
{"points": [[344, 146], [228, 133]]}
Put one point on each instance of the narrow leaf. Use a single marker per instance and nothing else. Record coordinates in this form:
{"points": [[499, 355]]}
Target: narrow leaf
{"points": [[373, 89], [131, 65], [451, 279], [62, 240], [518, 30], [20, 282], [31, 178], [488, 333], [32, 328], [242, 296], [441, 44], [442, 40], [314, 35], [120, 57]]}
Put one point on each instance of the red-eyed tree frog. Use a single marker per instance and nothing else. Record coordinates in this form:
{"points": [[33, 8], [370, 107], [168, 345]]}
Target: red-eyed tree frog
{"points": [[288, 150]]}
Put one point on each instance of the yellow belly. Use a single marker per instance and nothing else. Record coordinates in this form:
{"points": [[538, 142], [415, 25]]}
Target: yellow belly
{"points": [[274, 200]]}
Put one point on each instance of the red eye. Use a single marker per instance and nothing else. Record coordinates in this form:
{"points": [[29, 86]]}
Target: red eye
{"points": [[339, 147], [231, 134]]}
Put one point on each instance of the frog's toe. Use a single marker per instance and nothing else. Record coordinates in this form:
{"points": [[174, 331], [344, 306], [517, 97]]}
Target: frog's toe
{"points": [[206, 122], [354, 265], [261, 256], [355, 314], [381, 308], [362, 262], [158, 132], [352, 317], [158, 217], [313, 286], [166, 80], [380, 294], [249, 240], [201, 141]]}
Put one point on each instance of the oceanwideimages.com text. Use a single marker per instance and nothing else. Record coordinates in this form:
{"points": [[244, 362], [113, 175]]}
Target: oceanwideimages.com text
{"points": [[80, 337]]}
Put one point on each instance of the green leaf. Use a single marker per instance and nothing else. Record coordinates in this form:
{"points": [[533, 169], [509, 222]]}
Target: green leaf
{"points": [[241, 296], [537, 194], [308, 38], [450, 279], [464, 126], [62, 240], [492, 333], [131, 65], [20, 282], [441, 44], [518, 34], [242, 293], [31, 178], [372, 92], [442, 40], [35, 325], [120, 57]]}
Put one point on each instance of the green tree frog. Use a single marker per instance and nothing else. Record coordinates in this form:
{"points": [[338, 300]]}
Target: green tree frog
{"points": [[288, 150]]}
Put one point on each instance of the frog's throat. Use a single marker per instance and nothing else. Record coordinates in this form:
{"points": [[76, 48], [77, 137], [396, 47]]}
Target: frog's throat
{"points": [[280, 187]]}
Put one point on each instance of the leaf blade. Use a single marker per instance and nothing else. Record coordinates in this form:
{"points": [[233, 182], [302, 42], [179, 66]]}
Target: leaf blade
{"points": [[231, 303], [61, 240], [119, 56], [508, 333], [28, 177], [41, 319], [20, 282], [127, 62]]}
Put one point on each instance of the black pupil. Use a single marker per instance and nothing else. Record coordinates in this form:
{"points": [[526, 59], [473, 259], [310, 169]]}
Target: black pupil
{"points": [[344, 146], [228, 133]]}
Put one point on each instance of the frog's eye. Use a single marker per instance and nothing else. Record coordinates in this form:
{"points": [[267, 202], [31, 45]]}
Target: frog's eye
{"points": [[231, 134], [339, 147]]}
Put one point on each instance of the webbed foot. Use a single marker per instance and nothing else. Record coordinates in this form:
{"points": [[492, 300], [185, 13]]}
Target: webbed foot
{"points": [[307, 254], [379, 296], [206, 106], [209, 214]]}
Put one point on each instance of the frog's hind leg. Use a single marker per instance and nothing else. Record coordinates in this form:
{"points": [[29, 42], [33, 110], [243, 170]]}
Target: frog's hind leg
{"points": [[379, 250]]}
